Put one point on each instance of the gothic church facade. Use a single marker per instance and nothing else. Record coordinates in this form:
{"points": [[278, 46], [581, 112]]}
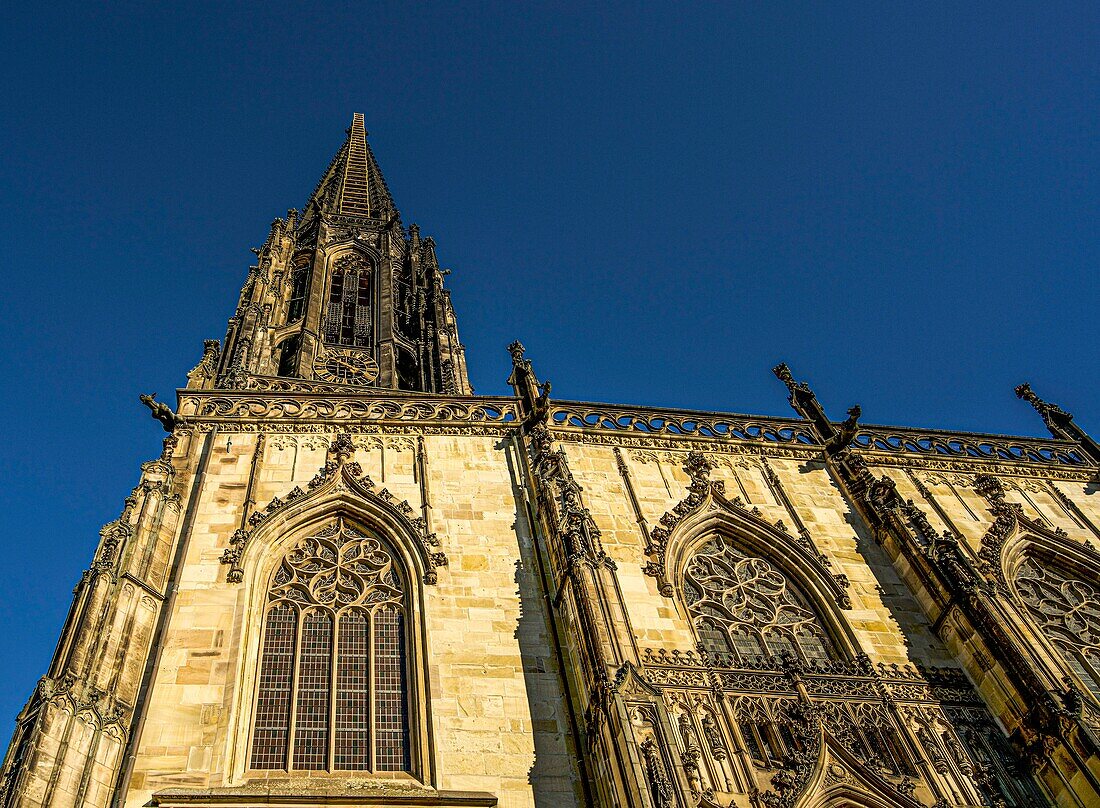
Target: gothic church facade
{"points": [[349, 581]]}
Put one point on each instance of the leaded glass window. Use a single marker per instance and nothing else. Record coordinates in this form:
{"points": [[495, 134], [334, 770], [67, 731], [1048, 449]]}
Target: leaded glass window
{"points": [[347, 319], [1067, 610], [333, 692], [742, 603]]}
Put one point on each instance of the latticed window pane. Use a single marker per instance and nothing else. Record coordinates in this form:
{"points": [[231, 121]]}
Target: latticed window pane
{"points": [[314, 683], [813, 644], [288, 355], [342, 580], [779, 644], [392, 744], [713, 637], [269, 741], [353, 693], [750, 599], [746, 644], [752, 745], [348, 314], [1067, 611]]}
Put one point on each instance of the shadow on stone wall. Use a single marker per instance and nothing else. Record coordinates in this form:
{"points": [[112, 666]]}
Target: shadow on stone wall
{"points": [[554, 776]]}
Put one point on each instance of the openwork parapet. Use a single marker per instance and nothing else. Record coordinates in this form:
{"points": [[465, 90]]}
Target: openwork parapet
{"points": [[976, 446]]}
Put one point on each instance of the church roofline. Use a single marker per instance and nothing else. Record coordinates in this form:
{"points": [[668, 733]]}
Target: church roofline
{"points": [[628, 421]]}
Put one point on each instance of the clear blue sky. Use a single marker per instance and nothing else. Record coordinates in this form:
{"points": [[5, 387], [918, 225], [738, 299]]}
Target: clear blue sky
{"points": [[660, 200]]}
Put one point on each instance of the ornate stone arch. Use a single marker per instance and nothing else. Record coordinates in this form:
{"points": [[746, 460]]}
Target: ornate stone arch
{"points": [[338, 497], [707, 517], [735, 585], [361, 260], [1054, 582], [840, 780], [340, 486]]}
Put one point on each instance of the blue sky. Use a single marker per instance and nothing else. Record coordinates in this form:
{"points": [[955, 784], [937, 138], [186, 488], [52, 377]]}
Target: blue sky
{"points": [[660, 200]]}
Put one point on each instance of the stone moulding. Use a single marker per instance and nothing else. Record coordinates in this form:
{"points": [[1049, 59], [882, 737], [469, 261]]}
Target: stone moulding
{"points": [[335, 482], [327, 793], [835, 679]]}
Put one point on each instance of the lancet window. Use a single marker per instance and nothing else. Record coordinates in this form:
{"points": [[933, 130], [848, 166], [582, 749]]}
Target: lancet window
{"points": [[746, 611], [1067, 610], [347, 318], [332, 692], [288, 355], [299, 283]]}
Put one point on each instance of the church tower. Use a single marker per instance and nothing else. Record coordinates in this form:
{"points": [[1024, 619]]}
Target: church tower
{"points": [[348, 581], [343, 295]]}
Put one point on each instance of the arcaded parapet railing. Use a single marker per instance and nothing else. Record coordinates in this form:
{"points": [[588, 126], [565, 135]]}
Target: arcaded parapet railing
{"points": [[691, 424], [678, 423], [328, 405], [227, 406], [973, 445]]}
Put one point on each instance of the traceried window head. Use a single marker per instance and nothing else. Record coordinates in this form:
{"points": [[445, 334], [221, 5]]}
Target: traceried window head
{"points": [[332, 692], [745, 609], [1067, 610], [347, 319]]}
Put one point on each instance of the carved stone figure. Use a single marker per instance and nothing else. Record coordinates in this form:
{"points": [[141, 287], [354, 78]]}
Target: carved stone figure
{"points": [[160, 411]]}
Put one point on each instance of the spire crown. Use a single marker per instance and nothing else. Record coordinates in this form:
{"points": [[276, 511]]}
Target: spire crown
{"points": [[353, 185]]}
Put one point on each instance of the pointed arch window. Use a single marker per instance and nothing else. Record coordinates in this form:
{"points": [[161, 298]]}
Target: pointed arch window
{"points": [[1067, 611], [746, 611], [332, 692], [299, 284], [288, 355], [347, 318]]}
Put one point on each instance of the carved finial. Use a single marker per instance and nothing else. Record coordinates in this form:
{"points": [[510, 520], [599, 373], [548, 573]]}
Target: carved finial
{"points": [[1059, 422], [698, 466], [162, 412], [1053, 416], [534, 397], [342, 448], [805, 403], [1024, 391], [783, 373], [847, 433], [989, 487], [208, 365]]}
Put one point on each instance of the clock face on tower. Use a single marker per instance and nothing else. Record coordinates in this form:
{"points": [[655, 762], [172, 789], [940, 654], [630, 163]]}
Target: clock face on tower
{"points": [[346, 366]]}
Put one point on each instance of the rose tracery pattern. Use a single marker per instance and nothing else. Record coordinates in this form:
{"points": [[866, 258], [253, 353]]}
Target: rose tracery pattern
{"points": [[745, 608], [338, 567], [1067, 610]]}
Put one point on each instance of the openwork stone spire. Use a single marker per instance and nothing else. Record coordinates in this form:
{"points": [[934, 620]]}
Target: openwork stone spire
{"points": [[343, 295], [353, 184]]}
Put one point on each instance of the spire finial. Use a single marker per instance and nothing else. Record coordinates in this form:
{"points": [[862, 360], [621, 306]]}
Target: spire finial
{"points": [[353, 184], [534, 397]]}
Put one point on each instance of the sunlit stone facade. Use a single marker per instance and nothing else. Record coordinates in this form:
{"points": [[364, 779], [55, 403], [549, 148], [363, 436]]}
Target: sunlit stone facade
{"points": [[348, 580]]}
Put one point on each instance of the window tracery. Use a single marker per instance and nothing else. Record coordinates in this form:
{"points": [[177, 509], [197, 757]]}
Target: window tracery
{"points": [[333, 691], [347, 318], [745, 608], [1067, 611]]}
